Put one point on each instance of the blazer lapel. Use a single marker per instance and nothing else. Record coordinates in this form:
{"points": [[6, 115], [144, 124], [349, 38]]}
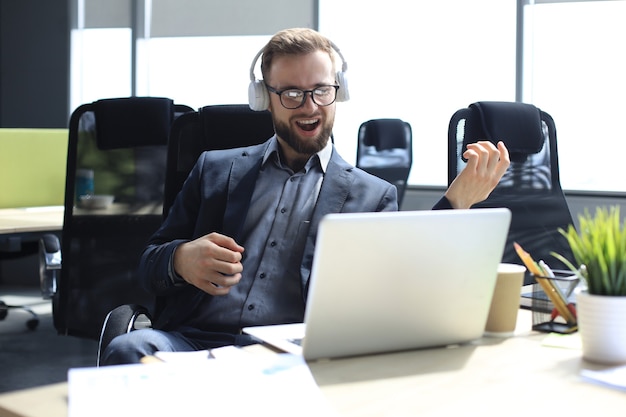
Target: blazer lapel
{"points": [[244, 171]]}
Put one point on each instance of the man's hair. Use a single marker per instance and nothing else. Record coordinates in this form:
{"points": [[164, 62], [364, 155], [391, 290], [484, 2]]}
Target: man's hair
{"points": [[296, 41]]}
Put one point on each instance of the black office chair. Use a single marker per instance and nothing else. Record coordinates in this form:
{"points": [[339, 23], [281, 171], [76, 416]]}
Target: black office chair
{"points": [[211, 127], [385, 149], [531, 187], [124, 142]]}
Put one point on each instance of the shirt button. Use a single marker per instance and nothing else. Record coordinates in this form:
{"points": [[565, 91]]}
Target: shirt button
{"points": [[251, 307], [262, 275], [273, 243], [283, 210]]}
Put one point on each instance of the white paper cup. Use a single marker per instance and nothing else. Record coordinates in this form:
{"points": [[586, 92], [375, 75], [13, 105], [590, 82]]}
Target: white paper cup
{"points": [[505, 303]]}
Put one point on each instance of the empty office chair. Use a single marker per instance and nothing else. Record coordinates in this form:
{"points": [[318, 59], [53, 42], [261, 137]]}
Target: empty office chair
{"points": [[531, 187], [122, 144], [385, 149], [211, 127]]}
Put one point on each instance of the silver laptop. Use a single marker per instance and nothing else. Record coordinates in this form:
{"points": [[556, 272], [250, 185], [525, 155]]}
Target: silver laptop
{"points": [[391, 281]]}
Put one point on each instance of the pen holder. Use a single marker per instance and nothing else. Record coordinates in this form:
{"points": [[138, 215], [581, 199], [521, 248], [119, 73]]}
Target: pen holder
{"points": [[550, 311]]}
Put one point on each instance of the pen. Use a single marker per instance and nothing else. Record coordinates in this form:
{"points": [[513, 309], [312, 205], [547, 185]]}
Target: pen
{"points": [[570, 306], [545, 268], [546, 284], [550, 273], [547, 272]]}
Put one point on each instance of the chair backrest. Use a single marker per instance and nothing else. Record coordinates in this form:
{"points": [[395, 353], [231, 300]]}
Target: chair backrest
{"points": [[123, 141], [531, 187], [209, 128], [385, 149]]}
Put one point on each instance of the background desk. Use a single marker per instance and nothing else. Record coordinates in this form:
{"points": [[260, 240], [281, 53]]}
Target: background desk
{"points": [[491, 377], [31, 219], [20, 230]]}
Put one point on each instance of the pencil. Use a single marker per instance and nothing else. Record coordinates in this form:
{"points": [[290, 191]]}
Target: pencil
{"points": [[546, 284]]}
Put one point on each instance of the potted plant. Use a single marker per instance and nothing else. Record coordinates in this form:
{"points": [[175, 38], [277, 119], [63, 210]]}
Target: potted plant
{"points": [[599, 249]]}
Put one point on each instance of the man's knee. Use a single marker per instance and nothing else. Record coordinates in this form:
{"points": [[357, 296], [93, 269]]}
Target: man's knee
{"points": [[130, 347]]}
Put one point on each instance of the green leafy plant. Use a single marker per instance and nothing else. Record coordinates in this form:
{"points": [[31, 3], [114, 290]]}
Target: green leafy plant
{"points": [[599, 247]]}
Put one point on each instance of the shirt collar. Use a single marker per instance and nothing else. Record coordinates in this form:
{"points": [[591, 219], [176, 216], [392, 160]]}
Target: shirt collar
{"points": [[323, 155]]}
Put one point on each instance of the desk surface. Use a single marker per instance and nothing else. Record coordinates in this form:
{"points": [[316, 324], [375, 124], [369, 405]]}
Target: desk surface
{"points": [[44, 219], [31, 219], [50, 218], [517, 376]]}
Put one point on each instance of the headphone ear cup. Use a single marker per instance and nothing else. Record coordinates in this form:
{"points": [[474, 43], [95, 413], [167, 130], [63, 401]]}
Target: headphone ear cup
{"points": [[258, 97], [342, 80]]}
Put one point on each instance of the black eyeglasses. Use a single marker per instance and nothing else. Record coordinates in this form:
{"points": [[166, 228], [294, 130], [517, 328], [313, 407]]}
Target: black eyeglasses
{"points": [[293, 98]]}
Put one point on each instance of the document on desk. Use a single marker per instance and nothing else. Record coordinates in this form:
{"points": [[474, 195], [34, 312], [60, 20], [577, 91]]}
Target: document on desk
{"points": [[278, 385], [614, 377]]}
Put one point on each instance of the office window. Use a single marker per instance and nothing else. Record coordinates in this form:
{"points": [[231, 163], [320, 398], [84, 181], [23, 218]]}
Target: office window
{"points": [[199, 52], [197, 71], [575, 70], [417, 65], [100, 64], [420, 62]]}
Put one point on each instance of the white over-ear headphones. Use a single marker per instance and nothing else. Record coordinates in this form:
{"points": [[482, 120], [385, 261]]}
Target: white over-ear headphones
{"points": [[258, 96]]}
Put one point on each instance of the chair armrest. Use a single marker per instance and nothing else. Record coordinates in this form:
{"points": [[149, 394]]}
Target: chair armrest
{"points": [[120, 320], [49, 264]]}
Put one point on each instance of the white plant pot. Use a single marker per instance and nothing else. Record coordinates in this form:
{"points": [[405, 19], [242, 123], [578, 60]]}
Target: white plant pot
{"points": [[602, 327]]}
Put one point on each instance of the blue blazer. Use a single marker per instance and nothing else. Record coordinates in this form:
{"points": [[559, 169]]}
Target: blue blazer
{"points": [[216, 197]]}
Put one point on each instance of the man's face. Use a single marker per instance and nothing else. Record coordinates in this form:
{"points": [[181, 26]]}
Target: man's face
{"points": [[305, 129]]}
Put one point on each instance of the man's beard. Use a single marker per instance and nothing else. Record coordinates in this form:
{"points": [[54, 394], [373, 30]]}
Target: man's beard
{"points": [[304, 146]]}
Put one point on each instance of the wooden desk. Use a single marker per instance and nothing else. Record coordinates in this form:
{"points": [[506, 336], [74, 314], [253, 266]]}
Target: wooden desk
{"points": [[512, 377], [33, 219], [45, 219], [20, 227], [121, 209], [18, 224], [491, 377], [45, 401]]}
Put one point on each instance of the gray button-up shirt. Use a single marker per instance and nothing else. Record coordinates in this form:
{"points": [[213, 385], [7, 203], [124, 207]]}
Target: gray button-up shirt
{"points": [[274, 235]]}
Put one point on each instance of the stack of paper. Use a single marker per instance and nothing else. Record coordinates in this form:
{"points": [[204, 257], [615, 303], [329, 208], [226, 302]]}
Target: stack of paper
{"points": [[277, 385]]}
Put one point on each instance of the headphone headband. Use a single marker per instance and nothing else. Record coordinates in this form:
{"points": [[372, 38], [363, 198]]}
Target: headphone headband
{"points": [[256, 58], [344, 63]]}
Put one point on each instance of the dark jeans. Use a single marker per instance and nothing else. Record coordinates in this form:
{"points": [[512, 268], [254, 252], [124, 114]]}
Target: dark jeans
{"points": [[131, 347]]}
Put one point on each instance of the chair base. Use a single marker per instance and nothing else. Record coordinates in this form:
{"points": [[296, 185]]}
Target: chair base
{"points": [[31, 323]]}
